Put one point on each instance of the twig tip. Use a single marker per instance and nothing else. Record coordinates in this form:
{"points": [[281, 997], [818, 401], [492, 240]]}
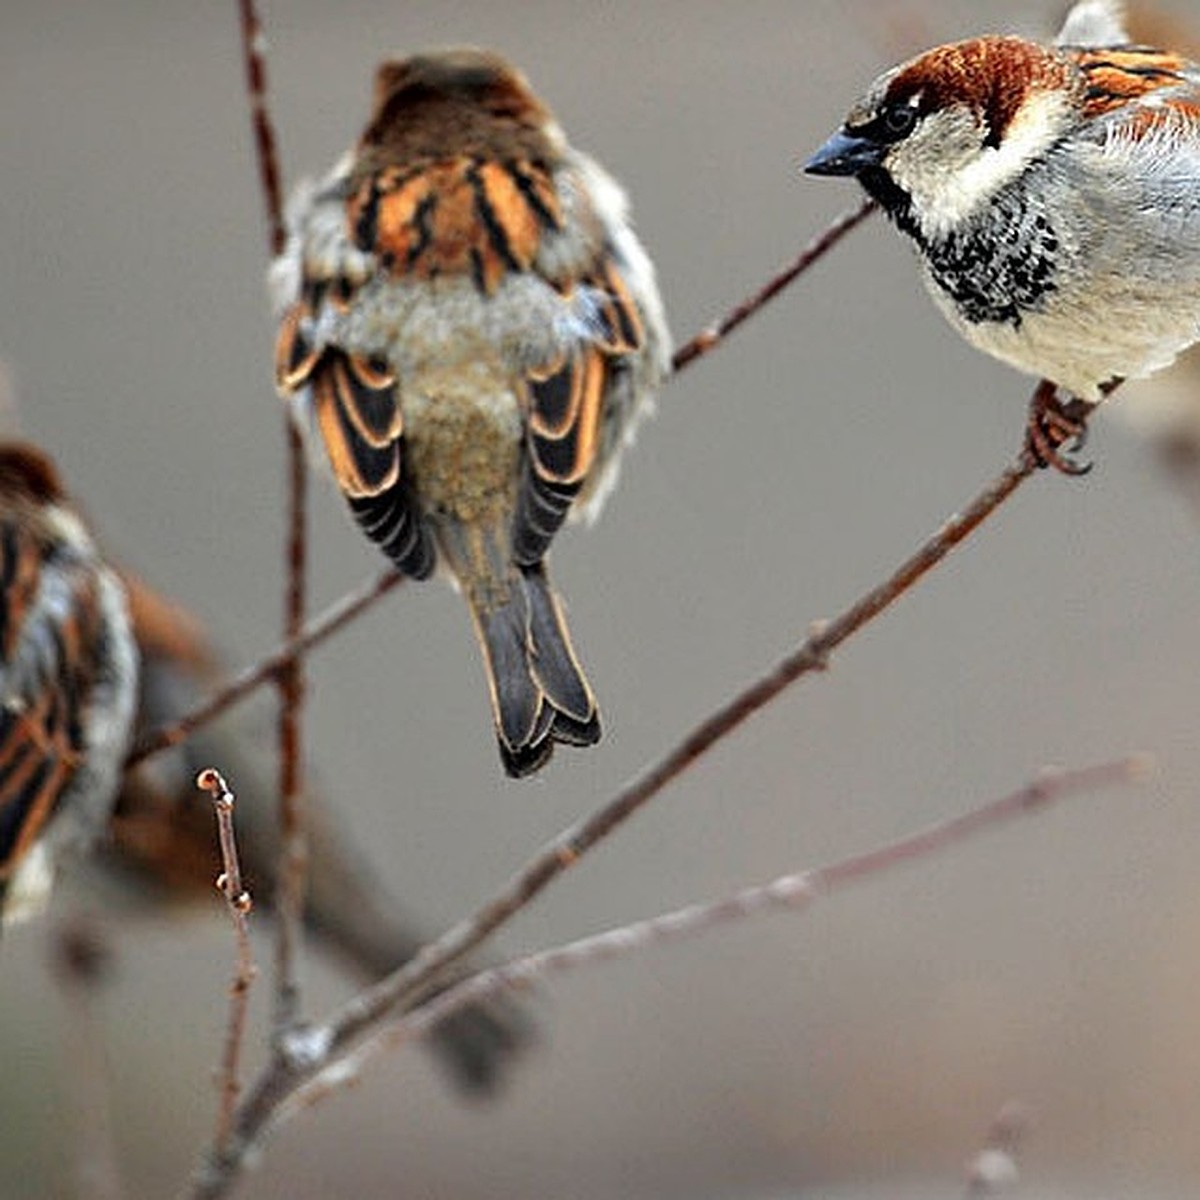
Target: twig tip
{"points": [[210, 780]]}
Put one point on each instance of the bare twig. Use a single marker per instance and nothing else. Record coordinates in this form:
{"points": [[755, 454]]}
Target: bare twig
{"points": [[266, 150], [712, 337], [82, 959], [290, 677], [416, 980], [239, 903], [795, 891], [334, 619], [356, 603], [415, 977]]}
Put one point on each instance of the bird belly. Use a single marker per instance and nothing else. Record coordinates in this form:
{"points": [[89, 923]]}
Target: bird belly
{"points": [[1127, 328], [462, 437]]}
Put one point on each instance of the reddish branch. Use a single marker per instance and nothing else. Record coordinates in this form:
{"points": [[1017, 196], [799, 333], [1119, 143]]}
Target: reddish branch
{"points": [[795, 891], [788, 892], [711, 337], [266, 150], [294, 865], [414, 983], [238, 901], [290, 678]]}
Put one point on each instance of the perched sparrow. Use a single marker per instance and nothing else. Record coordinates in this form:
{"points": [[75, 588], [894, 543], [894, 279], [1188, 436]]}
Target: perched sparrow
{"points": [[162, 849], [471, 325], [1053, 193], [68, 678]]}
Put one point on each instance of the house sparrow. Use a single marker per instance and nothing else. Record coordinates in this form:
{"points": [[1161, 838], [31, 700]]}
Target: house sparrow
{"points": [[471, 328], [1053, 193], [68, 678], [162, 849]]}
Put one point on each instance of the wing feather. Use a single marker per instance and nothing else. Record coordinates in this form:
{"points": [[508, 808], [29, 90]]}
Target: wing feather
{"points": [[47, 674]]}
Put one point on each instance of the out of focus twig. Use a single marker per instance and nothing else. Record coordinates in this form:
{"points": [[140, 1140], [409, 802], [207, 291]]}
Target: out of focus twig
{"points": [[294, 864], [795, 891], [334, 619], [238, 901], [364, 1014], [290, 677], [326, 1072]]}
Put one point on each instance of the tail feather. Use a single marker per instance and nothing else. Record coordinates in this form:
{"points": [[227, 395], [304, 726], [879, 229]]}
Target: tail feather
{"points": [[539, 693], [555, 666]]}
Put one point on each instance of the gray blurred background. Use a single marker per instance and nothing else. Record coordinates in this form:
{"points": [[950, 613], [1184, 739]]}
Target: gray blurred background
{"points": [[844, 1053]]}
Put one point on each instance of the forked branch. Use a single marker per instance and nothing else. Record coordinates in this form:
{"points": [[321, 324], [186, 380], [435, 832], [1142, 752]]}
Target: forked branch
{"points": [[367, 1013]]}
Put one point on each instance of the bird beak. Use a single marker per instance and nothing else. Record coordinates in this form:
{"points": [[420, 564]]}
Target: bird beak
{"points": [[845, 154]]}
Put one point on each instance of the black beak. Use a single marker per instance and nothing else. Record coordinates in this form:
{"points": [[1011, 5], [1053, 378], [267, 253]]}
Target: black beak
{"points": [[845, 154]]}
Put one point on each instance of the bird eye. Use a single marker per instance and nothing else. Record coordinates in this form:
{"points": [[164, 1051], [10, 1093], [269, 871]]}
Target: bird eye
{"points": [[898, 120]]}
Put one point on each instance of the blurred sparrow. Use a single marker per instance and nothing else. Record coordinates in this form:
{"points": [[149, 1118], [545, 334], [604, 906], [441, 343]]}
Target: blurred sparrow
{"points": [[1053, 193], [68, 676], [162, 844], [472, 327]]}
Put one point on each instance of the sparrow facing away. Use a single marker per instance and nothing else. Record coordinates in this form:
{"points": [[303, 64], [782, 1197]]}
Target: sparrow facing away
{"points": [[162, 850], [473, 330], [1053, 194], [68, 677]]}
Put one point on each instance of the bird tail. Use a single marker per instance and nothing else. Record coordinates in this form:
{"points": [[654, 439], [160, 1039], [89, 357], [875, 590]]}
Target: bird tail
{"points": [[539, 692]]}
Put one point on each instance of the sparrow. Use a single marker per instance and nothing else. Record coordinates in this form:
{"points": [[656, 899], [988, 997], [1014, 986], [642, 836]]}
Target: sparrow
{"points": [[1053, 195], [472, 331], [68, 680], [161, 854]]}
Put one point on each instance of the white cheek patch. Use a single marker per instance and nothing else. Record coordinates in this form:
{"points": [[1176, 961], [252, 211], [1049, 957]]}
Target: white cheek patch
{"points": [[946, 193]]}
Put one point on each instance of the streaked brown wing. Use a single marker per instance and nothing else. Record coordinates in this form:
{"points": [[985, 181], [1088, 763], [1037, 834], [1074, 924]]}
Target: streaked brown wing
{"points": [[357, 410], [482, 219], [1117, 77], [354, 401], [47, 672], [462, 216], [566, 413]]}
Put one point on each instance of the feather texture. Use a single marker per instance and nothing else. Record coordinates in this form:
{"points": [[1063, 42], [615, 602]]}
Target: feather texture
{"points": [[67, 672], [475, 332]]}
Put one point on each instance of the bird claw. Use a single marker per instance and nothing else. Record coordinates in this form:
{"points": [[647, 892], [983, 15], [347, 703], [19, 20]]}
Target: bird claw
{"points": [[1056, 431]]}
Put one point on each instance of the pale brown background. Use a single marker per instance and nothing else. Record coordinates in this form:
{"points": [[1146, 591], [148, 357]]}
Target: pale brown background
{"points": [[840, 1054]]}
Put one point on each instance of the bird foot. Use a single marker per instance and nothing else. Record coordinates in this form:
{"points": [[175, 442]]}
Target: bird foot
{"points": [[1056, 430]]}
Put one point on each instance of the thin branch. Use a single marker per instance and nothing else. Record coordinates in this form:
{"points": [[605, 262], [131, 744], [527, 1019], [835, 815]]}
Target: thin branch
{"points": [[417, 979], [412, 980], [356, 603], [794, 891], [290, 677], [238, 901], [330, 1070], [265, 146], [335, 618], [294, 835], [714, 335]]}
